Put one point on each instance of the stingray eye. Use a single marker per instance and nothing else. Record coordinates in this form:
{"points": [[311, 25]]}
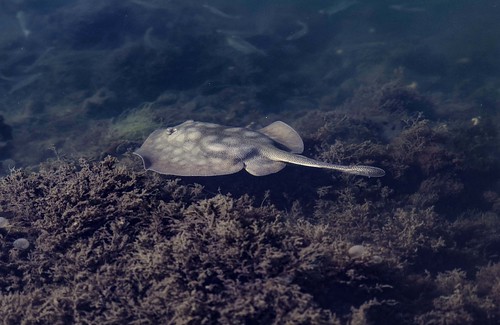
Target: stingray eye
{"points": [[171, 130]]}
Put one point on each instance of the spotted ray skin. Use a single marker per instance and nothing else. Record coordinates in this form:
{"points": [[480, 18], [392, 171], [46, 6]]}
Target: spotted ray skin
{"points": [[206, 149]]}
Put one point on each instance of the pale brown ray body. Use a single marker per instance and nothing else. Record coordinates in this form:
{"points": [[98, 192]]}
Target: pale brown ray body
{"points": [[206, 149]]}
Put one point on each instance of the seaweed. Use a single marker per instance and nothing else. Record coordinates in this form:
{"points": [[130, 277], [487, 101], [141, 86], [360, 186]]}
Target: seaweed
{"points": [[109, 244], [458, 300]]}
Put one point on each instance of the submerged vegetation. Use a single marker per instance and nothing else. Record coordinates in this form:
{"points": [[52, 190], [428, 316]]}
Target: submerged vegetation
{"points": [[87, 236], [111, 243]]}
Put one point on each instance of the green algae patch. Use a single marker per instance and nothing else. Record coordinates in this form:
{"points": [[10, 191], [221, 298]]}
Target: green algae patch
{"points": [[134, 124]]}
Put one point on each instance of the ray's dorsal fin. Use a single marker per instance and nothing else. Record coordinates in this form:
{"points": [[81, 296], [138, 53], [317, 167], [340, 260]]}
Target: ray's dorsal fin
{"points": [[284, 134]]}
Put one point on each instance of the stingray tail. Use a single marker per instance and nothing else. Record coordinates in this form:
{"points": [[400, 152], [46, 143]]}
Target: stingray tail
{"points": [[361, 170], [368, 171]]}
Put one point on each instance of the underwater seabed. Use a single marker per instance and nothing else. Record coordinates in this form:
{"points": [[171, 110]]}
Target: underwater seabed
{"points": [[299, 246], [88, 236]]}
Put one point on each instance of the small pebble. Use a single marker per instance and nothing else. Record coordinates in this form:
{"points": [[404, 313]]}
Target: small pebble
{"points": [[21, 243], [357, 251], [3, 222]]}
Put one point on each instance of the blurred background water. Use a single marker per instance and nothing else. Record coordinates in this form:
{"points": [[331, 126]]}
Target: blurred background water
{"points": [[79, 77]]}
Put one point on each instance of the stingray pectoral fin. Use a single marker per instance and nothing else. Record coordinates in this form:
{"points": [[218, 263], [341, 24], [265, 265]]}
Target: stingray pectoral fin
{"points": [[260, 166], [145, 159], [169, 165]]}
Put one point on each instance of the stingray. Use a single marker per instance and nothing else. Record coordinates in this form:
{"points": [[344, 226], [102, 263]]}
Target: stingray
{"points": [[205, 149]]}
